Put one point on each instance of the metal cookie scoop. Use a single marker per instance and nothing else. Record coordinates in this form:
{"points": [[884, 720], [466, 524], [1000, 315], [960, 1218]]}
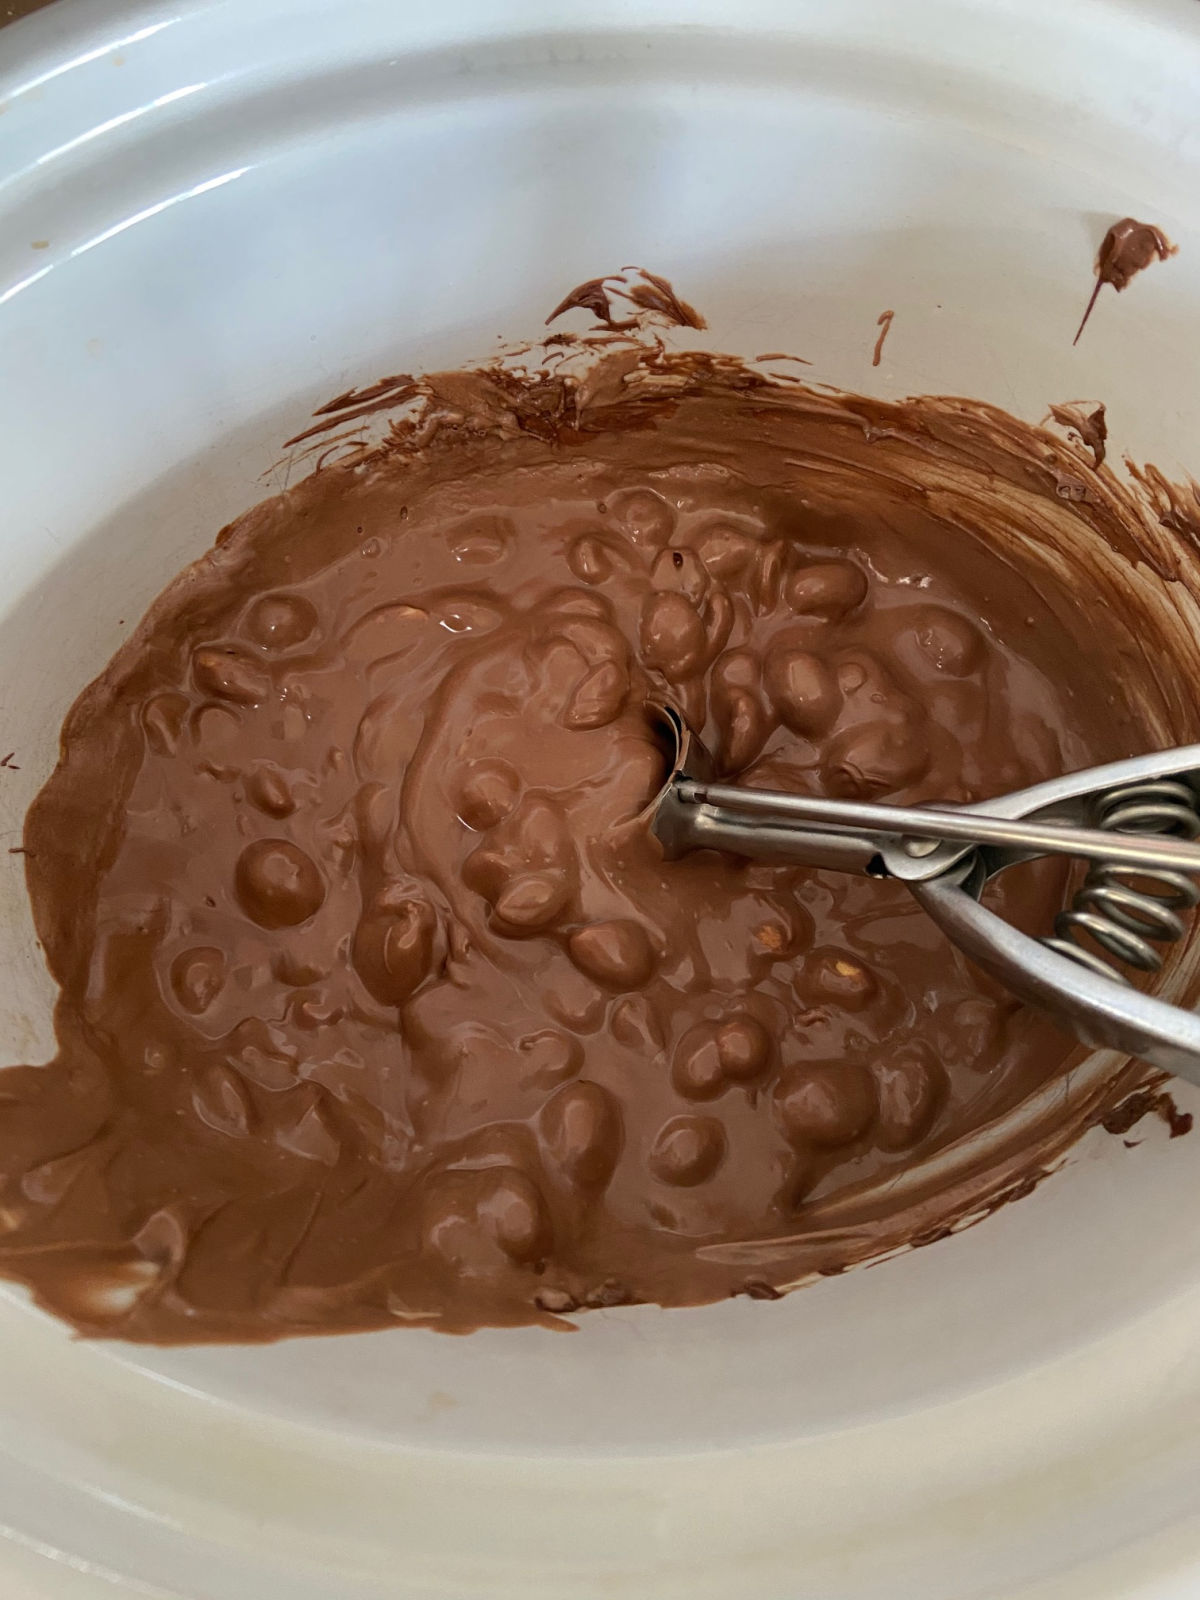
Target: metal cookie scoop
{"points": [[1134, 822]]}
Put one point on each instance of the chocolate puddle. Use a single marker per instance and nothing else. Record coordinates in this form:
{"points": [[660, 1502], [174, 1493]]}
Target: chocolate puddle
{"points": [[377, 1006]]}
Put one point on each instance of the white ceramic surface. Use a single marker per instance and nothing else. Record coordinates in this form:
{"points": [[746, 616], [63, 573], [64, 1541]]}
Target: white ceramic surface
{"points": [[215, 216]]}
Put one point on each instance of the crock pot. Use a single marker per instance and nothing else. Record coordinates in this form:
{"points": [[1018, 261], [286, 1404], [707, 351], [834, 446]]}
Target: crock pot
{"points": [[213, 217]]}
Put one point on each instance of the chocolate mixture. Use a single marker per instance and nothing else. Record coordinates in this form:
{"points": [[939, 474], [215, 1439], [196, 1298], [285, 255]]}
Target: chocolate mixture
{"points": [[378, 1003]]}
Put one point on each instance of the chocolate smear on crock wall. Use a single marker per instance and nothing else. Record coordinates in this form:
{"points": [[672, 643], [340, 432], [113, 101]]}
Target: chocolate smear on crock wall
{"points": [[1086, 419], [884, 323], [652, 297], [1129, 247]]}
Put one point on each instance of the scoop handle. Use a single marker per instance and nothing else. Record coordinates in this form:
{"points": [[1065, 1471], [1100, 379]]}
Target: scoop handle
{"points": [[739, 813], [1098, 1011]]}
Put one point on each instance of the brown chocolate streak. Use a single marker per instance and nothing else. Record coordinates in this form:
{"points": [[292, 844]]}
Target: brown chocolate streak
{"points": [[1128, 248], [651, 298], [1144, 1103], [884, 324], [1088, 422]]}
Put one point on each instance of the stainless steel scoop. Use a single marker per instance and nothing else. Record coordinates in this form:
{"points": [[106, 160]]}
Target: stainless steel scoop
{"points": [[1133, 821]]}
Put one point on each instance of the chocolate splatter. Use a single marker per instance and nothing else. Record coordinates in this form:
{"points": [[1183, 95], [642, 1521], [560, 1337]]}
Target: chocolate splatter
{"points": [[1128, 248], [756, 1289], [590, 296], [1144, 1103], [379, 396], [646, 292], [1175, 505], [1087, 420], [656, 294], [884, 324]]}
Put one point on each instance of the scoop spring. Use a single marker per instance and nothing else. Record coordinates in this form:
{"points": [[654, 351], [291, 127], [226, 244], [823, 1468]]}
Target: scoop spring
{"points": [[1128, 910]]}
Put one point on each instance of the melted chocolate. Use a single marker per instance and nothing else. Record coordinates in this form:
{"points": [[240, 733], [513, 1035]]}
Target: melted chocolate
{"points": [[1128, 248], [651, 297], [1088, 423], [884, 323], [378, 1004]]}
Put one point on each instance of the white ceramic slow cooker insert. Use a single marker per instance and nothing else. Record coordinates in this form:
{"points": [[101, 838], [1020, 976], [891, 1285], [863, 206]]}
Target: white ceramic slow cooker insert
{"points": [[213, 217]]}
